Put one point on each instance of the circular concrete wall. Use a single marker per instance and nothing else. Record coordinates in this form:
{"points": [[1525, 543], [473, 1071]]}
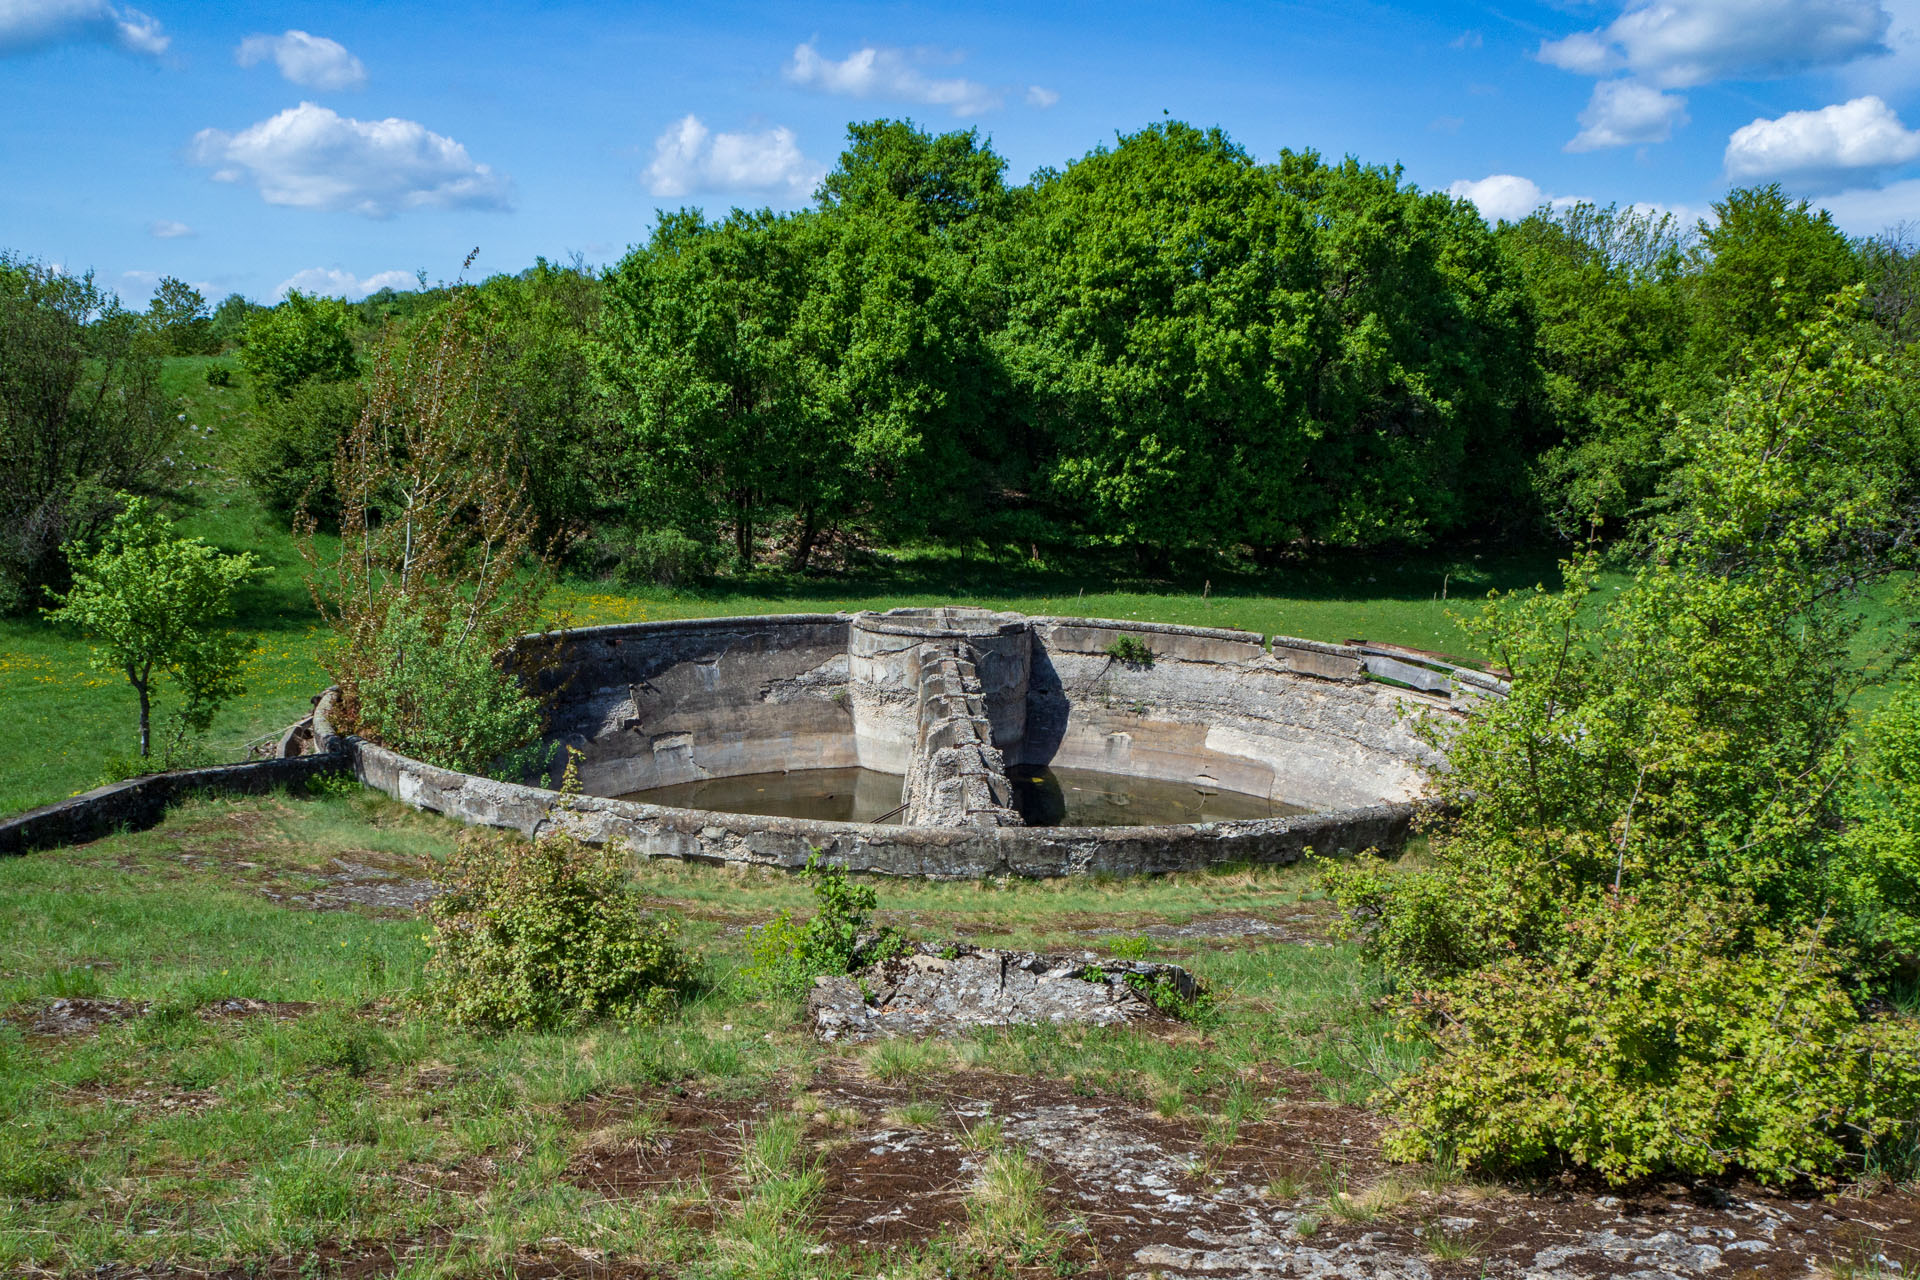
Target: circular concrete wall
{"points": [[946, 697]]}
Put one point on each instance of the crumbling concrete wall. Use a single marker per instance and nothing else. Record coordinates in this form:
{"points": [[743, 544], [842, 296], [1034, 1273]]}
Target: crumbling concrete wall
{"points": [[955, 776], [1300, 725], [657, 703]]}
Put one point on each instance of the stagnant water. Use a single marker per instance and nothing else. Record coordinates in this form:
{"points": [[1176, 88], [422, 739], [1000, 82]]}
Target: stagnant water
{"points": [[1045, 797]]}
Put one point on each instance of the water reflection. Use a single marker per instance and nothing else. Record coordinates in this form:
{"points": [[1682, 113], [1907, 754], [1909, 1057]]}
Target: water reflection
{"points": [[1045, 798], [826, 795], [1083, 798]]}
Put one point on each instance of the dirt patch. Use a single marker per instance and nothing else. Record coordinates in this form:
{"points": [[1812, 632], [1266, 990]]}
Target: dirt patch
{"points": [[356, 885], [642, 1145], [77, 1016], [232, 1010]]}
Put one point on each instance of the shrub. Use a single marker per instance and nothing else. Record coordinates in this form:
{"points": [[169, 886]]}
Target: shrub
{"points": [[1877, 869], [436, 569], [665, 557], [288, 455], [785, 956], [549, 933], [1130, 651], [1674, 1034], [449, 703], [304, 339]]}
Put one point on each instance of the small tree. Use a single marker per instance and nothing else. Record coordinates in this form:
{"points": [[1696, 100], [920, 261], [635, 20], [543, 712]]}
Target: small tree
{"points": [[178, 313], [156, 604], [438, 569]]}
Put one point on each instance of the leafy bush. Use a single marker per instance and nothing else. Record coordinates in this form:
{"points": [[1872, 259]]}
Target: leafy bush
{"points": [[1877, 867], [448, 703], [549, 933], [304, 339], [1673, 1033], [1130, 651], [665, 557], [288, 455], [785, 956]]}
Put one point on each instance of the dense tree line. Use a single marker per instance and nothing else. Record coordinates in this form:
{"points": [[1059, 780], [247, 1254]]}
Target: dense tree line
{"points": [[1167, 346]]}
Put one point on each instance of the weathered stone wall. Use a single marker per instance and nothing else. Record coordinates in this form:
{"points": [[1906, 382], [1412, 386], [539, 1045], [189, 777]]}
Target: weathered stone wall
{"points": [[953, 853], [141, 802], [658, 703], [956, 776], [1300, 725]]}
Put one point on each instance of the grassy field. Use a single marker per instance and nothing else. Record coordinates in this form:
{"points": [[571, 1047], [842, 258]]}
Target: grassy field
{"points": [[259, 1088], [63, 723]]}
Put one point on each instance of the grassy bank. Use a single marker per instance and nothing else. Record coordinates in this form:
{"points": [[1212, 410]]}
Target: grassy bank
{"points": [[256, 1085]]}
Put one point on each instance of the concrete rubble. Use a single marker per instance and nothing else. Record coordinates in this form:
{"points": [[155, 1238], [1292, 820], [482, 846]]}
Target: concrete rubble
{"points": [[943, 991]]}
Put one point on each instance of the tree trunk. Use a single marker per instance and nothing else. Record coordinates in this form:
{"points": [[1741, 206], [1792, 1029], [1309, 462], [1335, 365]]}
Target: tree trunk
{"points": [[803, 543], [146, 731], [743, 529]]}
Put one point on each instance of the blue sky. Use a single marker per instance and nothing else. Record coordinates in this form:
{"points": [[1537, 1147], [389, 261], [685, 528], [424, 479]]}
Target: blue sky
{"points": [[338, 147]]}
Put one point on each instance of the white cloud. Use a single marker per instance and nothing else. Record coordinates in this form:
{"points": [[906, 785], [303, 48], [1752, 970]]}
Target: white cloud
{"points": [[314, 61], [1821, 149], [1042, 98], [308, 157], [1871, 210], [26, 25], [1507, 197], [689, 157], [1501, 197], [1674, 44], [334, 283], [1467, 40], [878, 72], [168, 229], [1624, 112]]}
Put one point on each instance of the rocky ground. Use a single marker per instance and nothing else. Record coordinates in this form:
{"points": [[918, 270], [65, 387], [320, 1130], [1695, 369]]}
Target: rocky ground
{"points": [[1299, 1192]]}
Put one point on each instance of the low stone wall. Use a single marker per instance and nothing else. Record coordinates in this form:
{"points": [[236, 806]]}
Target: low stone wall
{"points": [[141, 802], [948, 853]]}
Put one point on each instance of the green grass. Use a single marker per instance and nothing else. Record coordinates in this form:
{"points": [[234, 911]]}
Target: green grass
{"points": [[183, 1136]]}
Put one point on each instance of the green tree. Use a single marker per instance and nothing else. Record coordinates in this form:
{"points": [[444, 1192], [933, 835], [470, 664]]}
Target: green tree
{"points": [[156, 605], [694, 356], [1763, 267], [950, 183], [81, 419], [536, 330], [179, 314], [300, 363], [1606, 292], [230, 320], [1161, 325], [304, 339], [1423, 366]]}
